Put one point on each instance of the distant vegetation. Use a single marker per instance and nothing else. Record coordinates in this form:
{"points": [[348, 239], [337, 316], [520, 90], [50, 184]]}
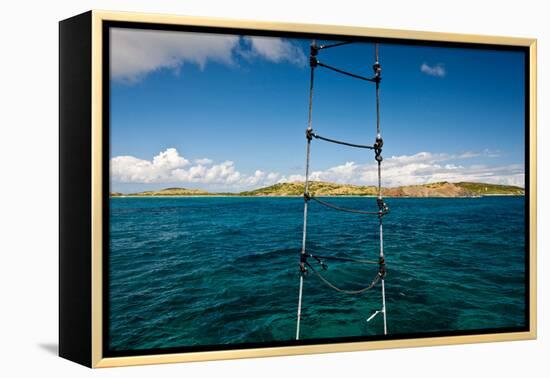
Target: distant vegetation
{"points": [[438, 189], [172, 192], [488, 189], [317, 187]]}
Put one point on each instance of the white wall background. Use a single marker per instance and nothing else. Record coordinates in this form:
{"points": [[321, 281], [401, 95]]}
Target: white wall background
{"points": [[28, 189]]}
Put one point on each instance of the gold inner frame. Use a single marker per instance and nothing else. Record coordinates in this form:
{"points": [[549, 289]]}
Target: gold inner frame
{"points": [[97, 155]]}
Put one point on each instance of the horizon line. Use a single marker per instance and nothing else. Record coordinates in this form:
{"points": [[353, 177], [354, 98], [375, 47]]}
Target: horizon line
{"points": [[317, 181]]}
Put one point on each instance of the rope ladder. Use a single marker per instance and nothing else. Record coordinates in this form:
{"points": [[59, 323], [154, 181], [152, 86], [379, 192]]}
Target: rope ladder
{"points": [[305, 264]]}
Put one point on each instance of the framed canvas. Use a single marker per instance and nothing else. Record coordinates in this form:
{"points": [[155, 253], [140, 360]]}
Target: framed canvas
{"points": [[235, 189]]}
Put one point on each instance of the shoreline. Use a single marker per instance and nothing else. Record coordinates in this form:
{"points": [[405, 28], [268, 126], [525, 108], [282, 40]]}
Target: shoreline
{"points": [[300, 196], [441, 189]]}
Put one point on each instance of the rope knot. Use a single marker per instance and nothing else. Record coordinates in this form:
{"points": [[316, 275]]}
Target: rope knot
{"points": [[382, 267], [309, 134], [307, 196], [313, 49], [377, 68], [319, 261], [382, 206], [313, 62], [303, 262], [379, 142]]}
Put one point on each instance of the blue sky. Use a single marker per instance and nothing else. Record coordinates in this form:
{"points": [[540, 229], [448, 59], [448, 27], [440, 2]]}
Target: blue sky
{"points": [[228, 113]]}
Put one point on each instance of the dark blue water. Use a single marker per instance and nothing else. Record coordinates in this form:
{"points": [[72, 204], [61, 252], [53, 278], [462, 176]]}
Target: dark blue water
{"points": [[204, 271]]}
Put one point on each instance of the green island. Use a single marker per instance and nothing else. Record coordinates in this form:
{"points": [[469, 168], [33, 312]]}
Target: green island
{"points": [[290, 189]]}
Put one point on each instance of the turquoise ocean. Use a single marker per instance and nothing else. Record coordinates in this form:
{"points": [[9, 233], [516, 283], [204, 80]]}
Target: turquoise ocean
{"points": [[192, 271]]}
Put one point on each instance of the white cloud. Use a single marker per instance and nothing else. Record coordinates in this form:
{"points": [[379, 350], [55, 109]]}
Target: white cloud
{"points": [[204, 161], [275, 50], [437, 70], [422, 168], [340, 173], [136, 53], [132, 169], [291, 178], [170, 167]]}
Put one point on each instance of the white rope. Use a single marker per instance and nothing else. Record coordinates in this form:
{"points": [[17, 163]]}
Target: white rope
{"points": [[382, 281], [306, 190], [299, 307], [380, 192]]}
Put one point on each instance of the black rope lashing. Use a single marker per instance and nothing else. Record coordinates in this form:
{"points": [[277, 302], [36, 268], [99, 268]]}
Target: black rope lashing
{"points": [[382, 267], [345, 291], [383, 208], [311, 134], [332, 68], [378, 149], [320, 260], [381, 211], [322, 47]]}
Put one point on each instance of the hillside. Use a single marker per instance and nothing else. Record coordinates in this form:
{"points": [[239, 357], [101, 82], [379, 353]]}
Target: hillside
{"points": [[438, 189], [168, 192], [316, 187], [491, 189]]}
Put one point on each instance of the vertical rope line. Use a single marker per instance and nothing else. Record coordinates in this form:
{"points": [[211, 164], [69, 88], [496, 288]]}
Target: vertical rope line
{"points": [[377, 93], [382, 280], [376, 58], [384, 306], [376, 53], [306, 191], [299, 306], [379, 180], [309, 128]]}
